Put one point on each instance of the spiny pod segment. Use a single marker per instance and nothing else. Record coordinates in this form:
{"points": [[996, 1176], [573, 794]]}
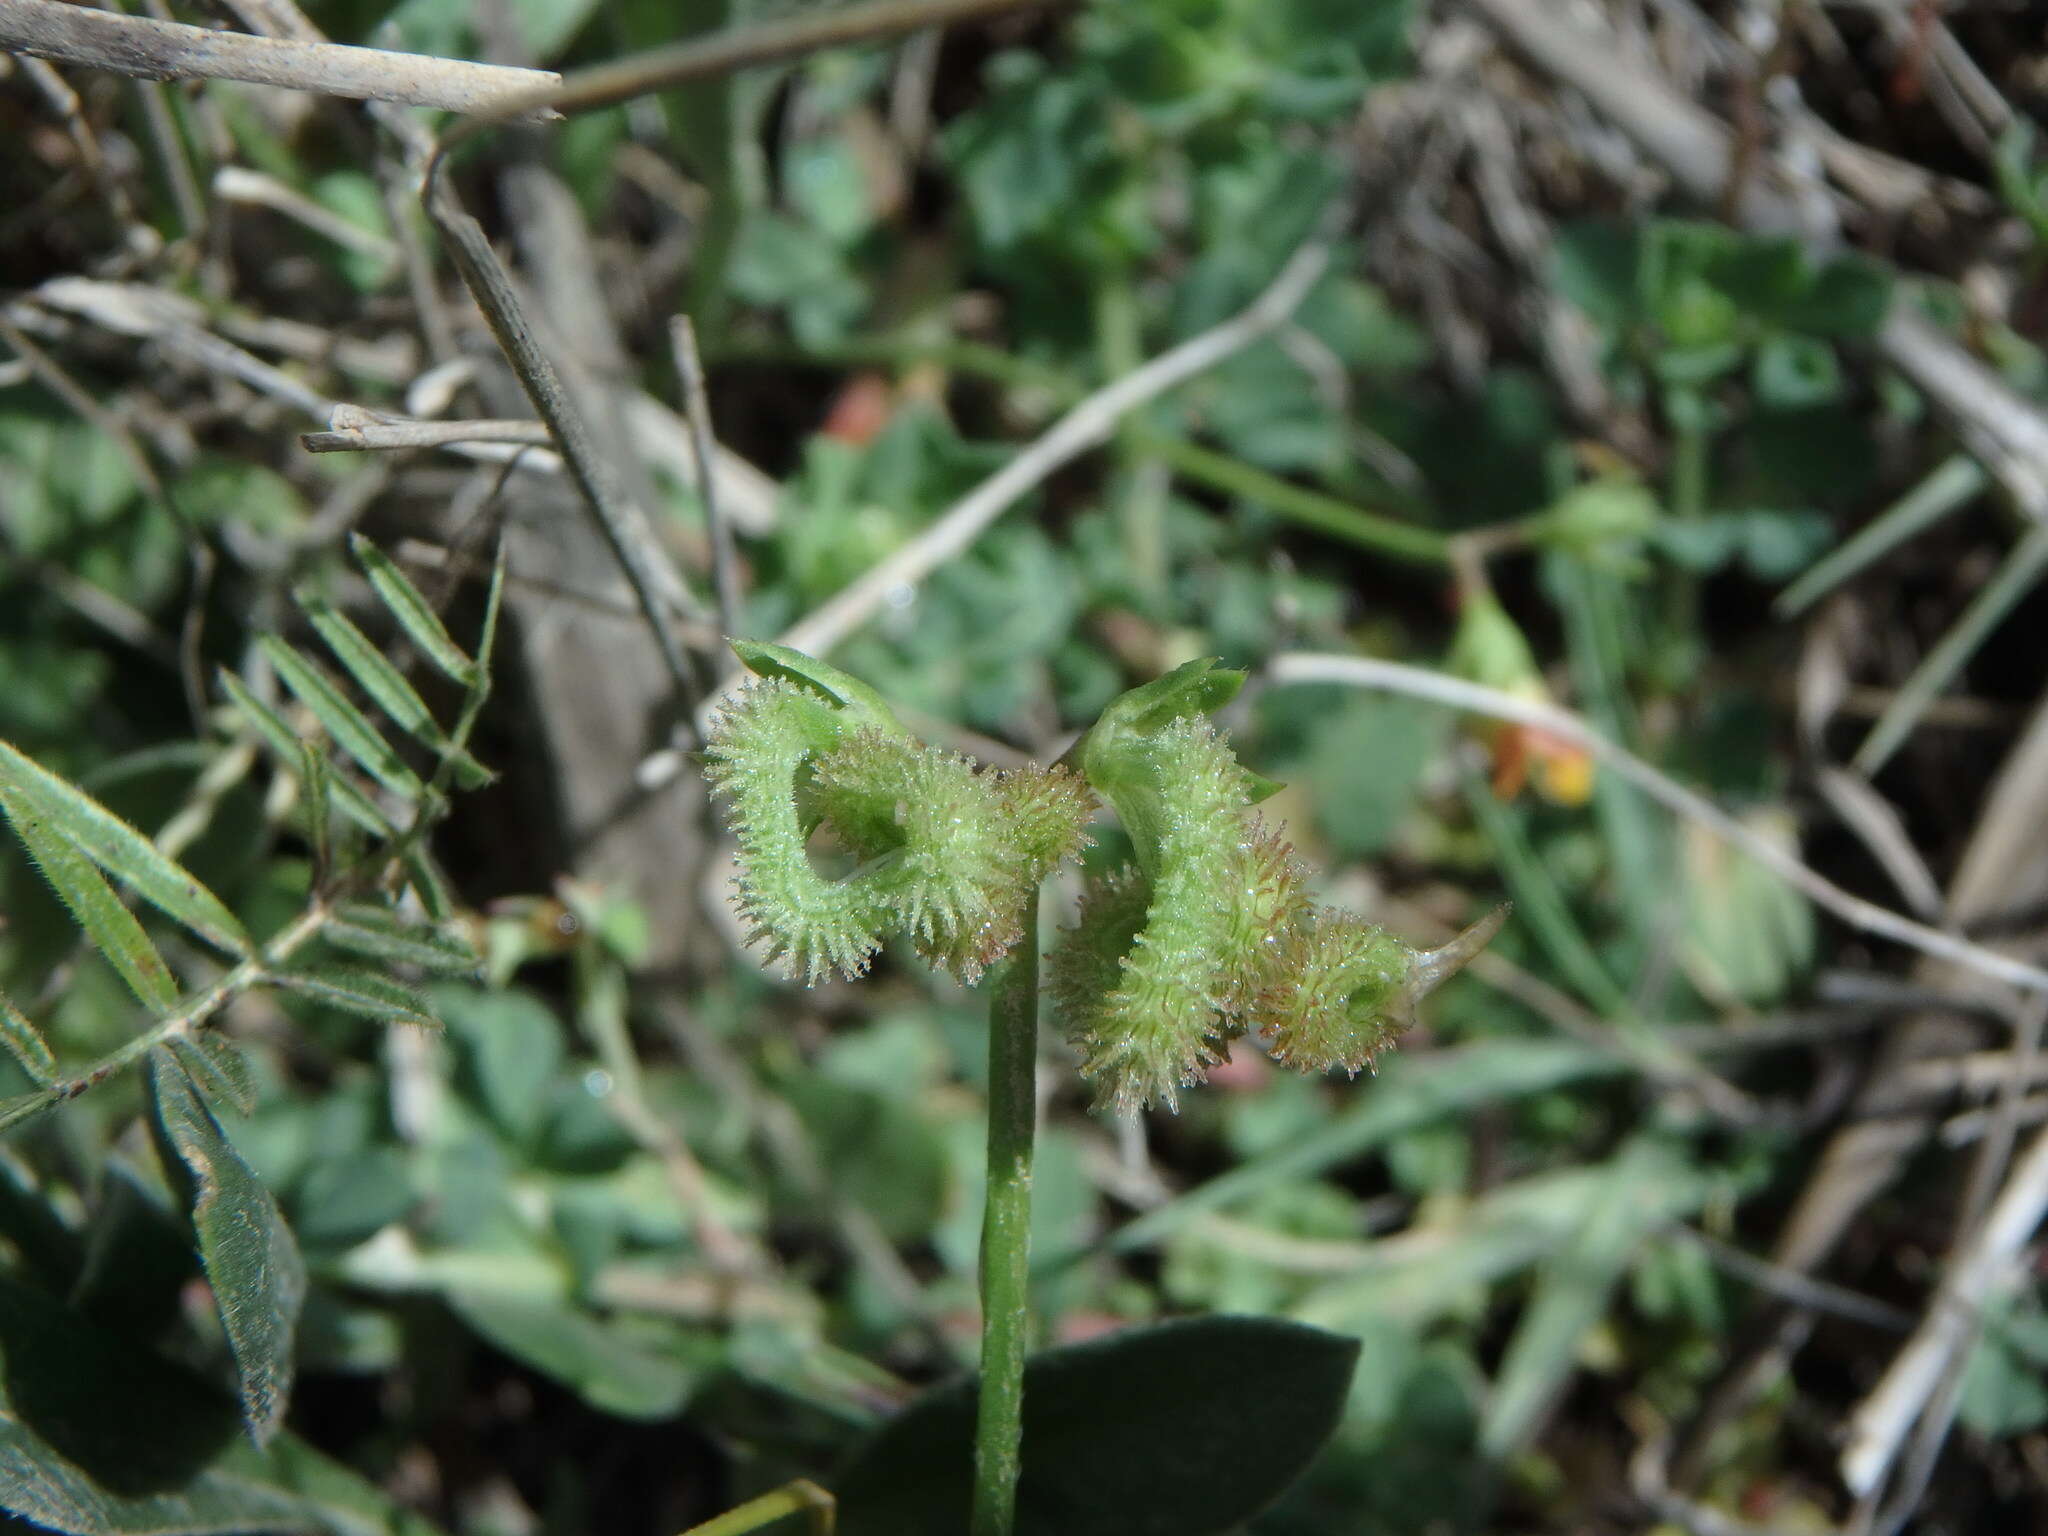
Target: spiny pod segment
{"points": [[948, 853], [1209, 934]]}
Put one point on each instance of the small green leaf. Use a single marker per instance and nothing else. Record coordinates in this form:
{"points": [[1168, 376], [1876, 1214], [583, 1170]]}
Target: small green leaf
{"points": [[289, 747], [1642, 1189], [120, 850], [619, 1367], [377, 933], [766, 659], [25, 1043], [349, 727], [1183, 1429], [363, 992], [387, 685], [252, 1263], [93, 903], [217, 1065], [413, 612]]}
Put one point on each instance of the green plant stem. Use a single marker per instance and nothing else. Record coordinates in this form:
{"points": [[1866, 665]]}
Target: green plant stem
{"points": [[1297, 504], [1006, 1232]]}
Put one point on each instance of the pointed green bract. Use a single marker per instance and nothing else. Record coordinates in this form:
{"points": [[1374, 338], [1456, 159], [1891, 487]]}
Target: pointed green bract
{"points": [[119, 849], [25, 1043], [414, 613]]}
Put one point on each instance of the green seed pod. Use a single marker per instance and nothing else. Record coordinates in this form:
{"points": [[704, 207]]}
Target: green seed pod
{"points": [[949, 853], [760, 744], [952, 852]]}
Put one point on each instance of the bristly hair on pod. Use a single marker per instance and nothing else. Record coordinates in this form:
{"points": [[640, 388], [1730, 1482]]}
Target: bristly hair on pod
{"points": [[1339, 995], [954, 851], [1140, 1042], [949, 853], [759, 743], [1210, 934]]}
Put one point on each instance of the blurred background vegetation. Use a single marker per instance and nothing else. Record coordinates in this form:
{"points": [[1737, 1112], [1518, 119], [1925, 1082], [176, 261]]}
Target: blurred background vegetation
{"points": [[642, 1230]]}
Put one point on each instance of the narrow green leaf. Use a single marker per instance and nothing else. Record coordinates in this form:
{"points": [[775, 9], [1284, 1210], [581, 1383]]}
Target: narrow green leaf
{"points": [[217, 1065], [413, 612], [636, 1369], [1954, 483], [429, 885], [121, 851], [387, 685], [1184, 1429], [375, 932], [358, 991], [316, 777], [25, 1043], [1410, 1091], [842, 690], [1643, 1187], [2013, 580], [81, 887], [288, 745], [251, 1260], [349, 727]]}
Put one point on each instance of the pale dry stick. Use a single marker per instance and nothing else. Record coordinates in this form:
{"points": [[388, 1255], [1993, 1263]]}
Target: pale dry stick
{"points": [[682, 337], [170, 50], [1930, 1411], [1456, 693], [720, 53], [656, 586], [1975, 1124], [352, 429], [749, 502], [1085, 426], [239, 184], [1881, 1421]]}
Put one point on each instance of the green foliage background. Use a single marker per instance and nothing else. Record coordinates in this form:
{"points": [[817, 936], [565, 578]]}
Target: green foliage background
{"points": [[493, 1234]]}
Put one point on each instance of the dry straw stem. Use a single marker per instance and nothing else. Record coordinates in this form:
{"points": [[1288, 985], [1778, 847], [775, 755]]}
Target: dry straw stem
{"points": [[1880, 1424], [1456, 693], [170, 50], [1087, 424]]}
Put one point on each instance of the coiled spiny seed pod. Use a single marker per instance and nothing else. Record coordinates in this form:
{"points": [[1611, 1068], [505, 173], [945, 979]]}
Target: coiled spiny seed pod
{"points": [[953, 851], [1210, 934], [949, 853]]}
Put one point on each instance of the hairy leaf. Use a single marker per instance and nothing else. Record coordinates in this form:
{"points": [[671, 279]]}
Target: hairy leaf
{"points": [[349, 727], [413, 612], [120, 850], [251, 1260], [25, 1043], [81, 887]]}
